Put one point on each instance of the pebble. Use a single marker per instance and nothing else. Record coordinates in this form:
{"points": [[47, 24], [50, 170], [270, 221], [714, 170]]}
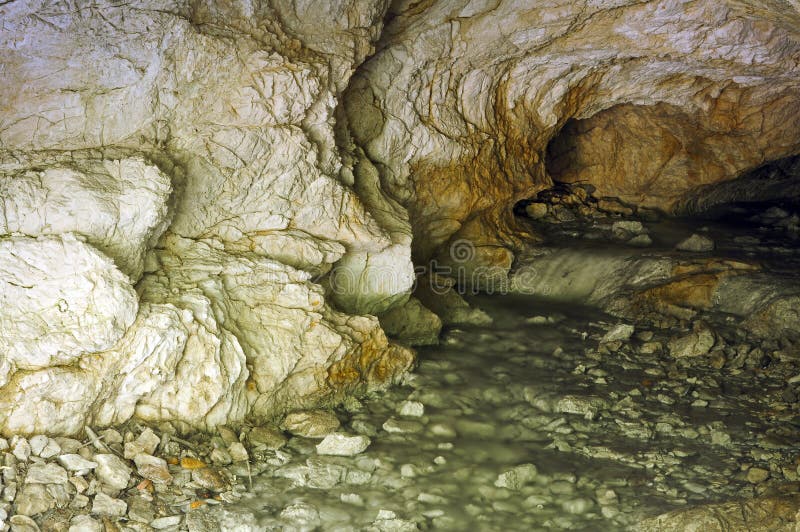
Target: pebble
{"points": [[152, 468], [352, 498], [586, 406], [104, 505], [625, 229], [23, 523], [146, 443], [620, 332], [20, 448], [227, 434], [38, 443], [112, 471], [577, 506], [271, 438], [140, 509], [516, 478], [411, 409], [166, 522], [33, 499], [111, 436], [301, 513], [696, 243], [80, 502], [209, 479], [311, 423], [756, 475], [697, 343], [68, 445], [536, 210], [606, 496], [402, 426], [340, 444], [238, 452], [76, 463], [641, 241], [43, 473], [85, 523], [442, 430]]}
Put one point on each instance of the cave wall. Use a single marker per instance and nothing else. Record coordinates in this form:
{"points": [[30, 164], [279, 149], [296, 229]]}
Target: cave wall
{"points": [[648, 100], [206, 204], [173, 200]]}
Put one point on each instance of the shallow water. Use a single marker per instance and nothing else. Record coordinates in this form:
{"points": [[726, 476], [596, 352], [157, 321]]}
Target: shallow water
{"points": [[613, 438]]}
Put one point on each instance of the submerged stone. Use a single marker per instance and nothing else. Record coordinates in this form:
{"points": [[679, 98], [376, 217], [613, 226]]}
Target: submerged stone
{"points": [[696, 243], [343, 444]]}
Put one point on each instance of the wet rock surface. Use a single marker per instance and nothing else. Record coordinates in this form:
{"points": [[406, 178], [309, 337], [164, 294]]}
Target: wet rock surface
{"points": [[564, 430], [581, 421]]}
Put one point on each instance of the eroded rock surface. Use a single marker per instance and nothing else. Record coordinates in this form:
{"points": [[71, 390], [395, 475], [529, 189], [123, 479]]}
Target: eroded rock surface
{"points": [[220, 158], [188, 150], [663, 97]]}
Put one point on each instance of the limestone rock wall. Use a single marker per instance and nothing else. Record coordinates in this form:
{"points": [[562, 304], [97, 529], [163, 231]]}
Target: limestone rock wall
{"points": [[206, 203], [648, 100], [173, 201]]}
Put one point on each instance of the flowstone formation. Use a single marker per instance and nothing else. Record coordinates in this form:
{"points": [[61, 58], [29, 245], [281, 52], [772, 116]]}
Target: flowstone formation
{"points": [[173, 203]]}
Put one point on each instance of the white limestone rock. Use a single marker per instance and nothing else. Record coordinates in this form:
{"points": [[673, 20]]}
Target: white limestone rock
{"points": [[103, 505], [54, 400], [152, 468], [411, 409], [85, 523], [178, 365], [516, 478], [238, 452], [586, 406], [373, 282], [112, 471], [412, 323], [81, 302], [76, 463], [44, 473], [33, 499], [21, 448], [620, 332], [697, 343], [339, 444], [262, 202], [23, 523], [118, 206], [169, 521], [38, 444]]}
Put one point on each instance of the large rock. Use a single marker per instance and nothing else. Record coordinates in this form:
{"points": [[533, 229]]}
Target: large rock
{"points": [[60, 299], [240, 164], [118, 206]]}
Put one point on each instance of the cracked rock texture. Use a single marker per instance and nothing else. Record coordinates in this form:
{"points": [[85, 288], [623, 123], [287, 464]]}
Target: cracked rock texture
{"points": [[207, 205], [173, 202]]}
